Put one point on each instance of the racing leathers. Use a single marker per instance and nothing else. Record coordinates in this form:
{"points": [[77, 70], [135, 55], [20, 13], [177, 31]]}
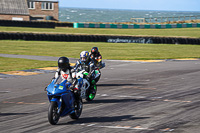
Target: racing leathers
{"points": [[88, 66], [67, 75], [97, 58]]}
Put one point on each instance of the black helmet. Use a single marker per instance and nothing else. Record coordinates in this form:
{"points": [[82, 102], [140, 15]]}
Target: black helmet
{"points": [[63, 63], [94, 50]]}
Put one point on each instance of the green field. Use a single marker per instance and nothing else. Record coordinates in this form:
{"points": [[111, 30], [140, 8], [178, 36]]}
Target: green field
{"points": [[12, 64], [176, 32], [116, 51]]}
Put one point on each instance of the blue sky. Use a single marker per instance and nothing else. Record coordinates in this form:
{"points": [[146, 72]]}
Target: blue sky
{"points": [[169, 5]]}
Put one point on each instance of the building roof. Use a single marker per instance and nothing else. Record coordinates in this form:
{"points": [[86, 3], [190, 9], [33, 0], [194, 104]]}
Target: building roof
{"points": [[18, 7]]}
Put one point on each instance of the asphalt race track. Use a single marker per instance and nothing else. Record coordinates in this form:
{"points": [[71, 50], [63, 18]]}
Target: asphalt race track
{"points": [[132, 97]]}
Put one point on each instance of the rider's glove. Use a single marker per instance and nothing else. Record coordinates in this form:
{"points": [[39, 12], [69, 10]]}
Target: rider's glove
{"points": [[45, 89], [71, 87]]}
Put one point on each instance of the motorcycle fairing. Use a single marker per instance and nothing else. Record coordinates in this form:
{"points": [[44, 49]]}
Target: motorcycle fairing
{"points": [[60, 94]]}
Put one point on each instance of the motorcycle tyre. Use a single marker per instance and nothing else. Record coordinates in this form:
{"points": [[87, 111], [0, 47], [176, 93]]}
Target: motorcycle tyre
{"points": [[91, 88], [52, 117], [78, 111], [97, 79]]}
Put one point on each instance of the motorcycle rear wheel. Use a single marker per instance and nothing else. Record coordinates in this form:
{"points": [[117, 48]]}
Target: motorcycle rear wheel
{"points": [[91, 93], [97, 79], [53, 115], [78, 110]]}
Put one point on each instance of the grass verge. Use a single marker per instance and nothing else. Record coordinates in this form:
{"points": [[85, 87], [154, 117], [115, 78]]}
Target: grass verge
{"points": [[116, 51], [175, 32], [13, 64]]}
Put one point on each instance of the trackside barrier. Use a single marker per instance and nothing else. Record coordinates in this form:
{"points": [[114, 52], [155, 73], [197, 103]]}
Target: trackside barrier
{"points": [[63, 24], [97, 38], [136, 26], [34, 24]]}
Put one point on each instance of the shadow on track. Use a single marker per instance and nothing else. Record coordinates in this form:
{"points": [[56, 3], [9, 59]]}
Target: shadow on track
{"points": [[120, 85], [8, 114], [104, 119], [115, 101]]}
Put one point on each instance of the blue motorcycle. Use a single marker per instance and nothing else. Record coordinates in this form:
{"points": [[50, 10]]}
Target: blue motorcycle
{"points": [[62, 102]]}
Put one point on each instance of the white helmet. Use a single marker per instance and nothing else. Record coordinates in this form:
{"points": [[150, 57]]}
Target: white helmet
{"points": [[84, 56]]}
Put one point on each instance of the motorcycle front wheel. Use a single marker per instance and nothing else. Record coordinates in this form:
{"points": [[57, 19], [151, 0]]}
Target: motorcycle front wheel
{"points": [[78, 109], [53, 115]]}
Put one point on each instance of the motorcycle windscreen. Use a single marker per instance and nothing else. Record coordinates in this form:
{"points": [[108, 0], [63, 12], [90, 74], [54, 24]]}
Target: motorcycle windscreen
{"points": [[56, 89]]}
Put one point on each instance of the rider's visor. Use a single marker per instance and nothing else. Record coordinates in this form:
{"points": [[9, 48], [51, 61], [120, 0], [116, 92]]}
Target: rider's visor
{"points": [[83, 58]]}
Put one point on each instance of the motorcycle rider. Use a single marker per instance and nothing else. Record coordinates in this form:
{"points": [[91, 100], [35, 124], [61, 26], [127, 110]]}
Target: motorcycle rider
{"points": [[65, 71], [96, 57], [85, 63]]}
